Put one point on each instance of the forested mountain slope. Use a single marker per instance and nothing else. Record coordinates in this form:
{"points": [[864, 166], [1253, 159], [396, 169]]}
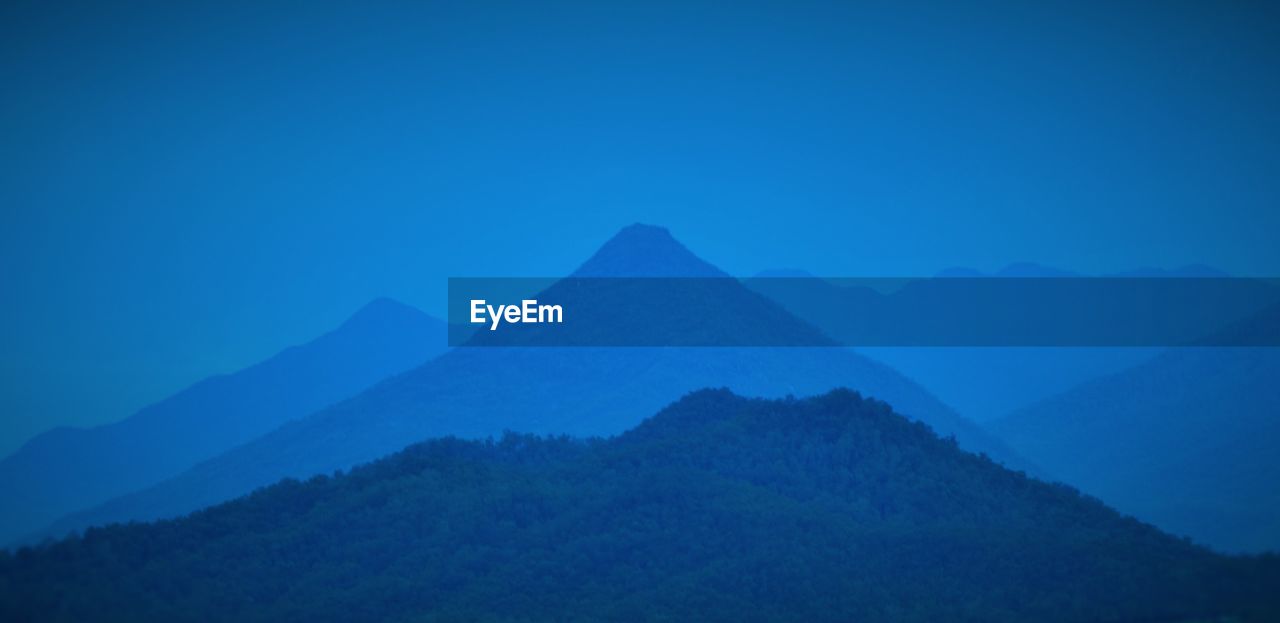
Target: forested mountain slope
{"points": [[481, 391], [832, 508]]}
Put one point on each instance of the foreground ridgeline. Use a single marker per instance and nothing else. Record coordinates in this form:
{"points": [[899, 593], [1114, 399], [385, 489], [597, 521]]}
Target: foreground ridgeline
{"points": [[724, 508], [476, 393]]}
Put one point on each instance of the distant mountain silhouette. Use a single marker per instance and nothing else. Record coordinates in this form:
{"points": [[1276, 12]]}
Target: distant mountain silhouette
{"points": [[981, 382], [720, 508], [1185, 441], [481, 391], [1183, 438], [652, 304], [641, 250], [986, 383], [68, 469]]}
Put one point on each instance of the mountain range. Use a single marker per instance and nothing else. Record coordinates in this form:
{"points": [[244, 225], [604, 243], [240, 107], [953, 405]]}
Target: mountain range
{"points": [[1185, 441], [1181, 437], [70, 469], [831, 508], [476, 392], [982, 382]]}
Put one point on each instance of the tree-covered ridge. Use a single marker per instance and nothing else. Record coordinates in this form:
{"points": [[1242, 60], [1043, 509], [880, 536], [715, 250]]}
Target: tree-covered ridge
{"points": [[477, 392], [719, 507]]}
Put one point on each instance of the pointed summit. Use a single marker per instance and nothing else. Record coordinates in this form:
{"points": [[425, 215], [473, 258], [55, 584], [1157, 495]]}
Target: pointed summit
{"points": [[383, 311], [645, 251]]}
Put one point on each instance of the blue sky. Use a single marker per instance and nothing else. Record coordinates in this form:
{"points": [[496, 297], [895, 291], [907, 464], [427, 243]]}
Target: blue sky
{"points": [[187, 189]]}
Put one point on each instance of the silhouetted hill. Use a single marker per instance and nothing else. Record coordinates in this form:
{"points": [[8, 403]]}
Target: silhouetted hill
{"points": [[718, 508], [67, 469], [1185, 441], [482, 391], [641, 250]]}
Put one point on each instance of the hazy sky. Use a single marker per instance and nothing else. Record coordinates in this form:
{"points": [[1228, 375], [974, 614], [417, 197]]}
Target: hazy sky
{"points": [[187, 188]]}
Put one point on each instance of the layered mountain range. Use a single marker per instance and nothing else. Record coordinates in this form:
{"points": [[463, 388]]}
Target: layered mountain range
{"points": [[1185, 441], [476, 392], [1180, 439], [70, 469], [719, 507]]}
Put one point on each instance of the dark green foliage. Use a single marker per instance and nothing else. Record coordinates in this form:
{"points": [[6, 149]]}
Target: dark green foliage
{"points": [[722, 508], [479, 392]]}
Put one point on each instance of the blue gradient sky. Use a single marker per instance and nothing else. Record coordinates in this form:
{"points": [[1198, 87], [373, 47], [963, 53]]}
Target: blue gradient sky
{"points": [[187, 188]]}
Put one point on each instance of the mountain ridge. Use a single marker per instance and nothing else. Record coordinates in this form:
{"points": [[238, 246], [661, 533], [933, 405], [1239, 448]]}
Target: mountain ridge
{"points": [[1182, 440], [640, 250], [717, 506], [69, 469], [474, 392]]}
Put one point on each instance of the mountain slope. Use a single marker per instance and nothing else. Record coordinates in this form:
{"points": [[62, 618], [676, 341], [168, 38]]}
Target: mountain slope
{"points": [[66, 470], [827, 509], [482, 391], [1185, 441], [640, 250], [982, 382]]}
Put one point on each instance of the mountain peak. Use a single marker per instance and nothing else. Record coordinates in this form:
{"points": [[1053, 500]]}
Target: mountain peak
{"points": [[639, 230], [641, 250], [380, 312]]}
